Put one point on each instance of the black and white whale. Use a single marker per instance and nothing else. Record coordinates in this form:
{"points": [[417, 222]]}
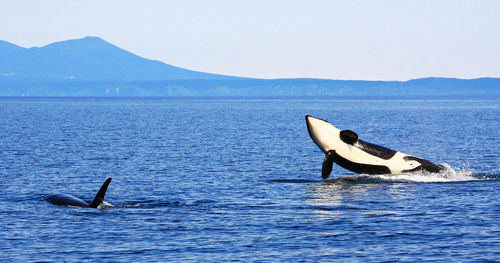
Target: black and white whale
{"points": [[345, 149], [66, 199]]}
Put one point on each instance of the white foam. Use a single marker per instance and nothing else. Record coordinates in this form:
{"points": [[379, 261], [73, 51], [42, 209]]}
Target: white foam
{"points": [[104, 205], [447, 175]]}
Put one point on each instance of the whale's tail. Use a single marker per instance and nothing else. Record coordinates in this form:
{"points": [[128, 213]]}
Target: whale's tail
{"points": [[99, 197]]}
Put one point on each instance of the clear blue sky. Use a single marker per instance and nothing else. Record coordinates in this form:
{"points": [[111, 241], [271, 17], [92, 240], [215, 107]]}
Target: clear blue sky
{"points": [[372, 40]]}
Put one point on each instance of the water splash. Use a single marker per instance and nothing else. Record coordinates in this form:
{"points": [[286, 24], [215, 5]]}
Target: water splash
{"points": [[104, 205], [449, 174]]}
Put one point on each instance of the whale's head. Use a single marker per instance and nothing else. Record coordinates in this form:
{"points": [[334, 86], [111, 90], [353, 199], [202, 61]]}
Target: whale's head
{"points": [[324, 135]]}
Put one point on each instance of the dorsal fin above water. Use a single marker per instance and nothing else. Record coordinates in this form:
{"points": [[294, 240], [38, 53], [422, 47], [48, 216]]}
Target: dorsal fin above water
{"points": [[99, 197], [348, 136], [327, 167]]}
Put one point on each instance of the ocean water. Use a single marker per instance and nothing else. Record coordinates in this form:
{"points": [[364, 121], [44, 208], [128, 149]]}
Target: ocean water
{"points": [[210, 180]]}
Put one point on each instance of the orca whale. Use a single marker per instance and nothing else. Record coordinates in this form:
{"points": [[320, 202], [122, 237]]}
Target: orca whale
{"points": [[66, 199], [344, 148]]}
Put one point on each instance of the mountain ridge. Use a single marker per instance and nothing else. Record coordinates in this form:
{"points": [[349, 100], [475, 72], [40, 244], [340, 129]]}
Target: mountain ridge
{"points": [[90, 59]]}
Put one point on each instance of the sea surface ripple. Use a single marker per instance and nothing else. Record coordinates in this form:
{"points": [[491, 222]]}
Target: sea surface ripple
{"points": [[212, 179]]}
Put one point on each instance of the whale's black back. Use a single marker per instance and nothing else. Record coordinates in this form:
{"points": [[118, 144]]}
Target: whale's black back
{"points": [[65, 199], [376, 150], [352, 138]]}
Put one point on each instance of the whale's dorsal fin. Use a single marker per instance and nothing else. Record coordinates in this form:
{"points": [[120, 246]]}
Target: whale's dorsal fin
{"points": [[99, 197], [348, 136], [327, 167]]}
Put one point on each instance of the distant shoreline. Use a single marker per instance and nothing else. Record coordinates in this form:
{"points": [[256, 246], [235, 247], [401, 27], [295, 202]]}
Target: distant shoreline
{"points": [[250, 88]]}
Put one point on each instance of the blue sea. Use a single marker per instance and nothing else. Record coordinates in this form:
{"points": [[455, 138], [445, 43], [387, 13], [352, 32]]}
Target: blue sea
{"points": [[239, 179]]}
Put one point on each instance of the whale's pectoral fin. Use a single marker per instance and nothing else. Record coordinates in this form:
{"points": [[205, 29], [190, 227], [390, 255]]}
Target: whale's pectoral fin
{"points": [[348, 136], [326, 169], [99, 197]]}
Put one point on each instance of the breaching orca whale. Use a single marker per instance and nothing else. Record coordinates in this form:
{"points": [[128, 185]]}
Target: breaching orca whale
{"points": [[345, 149], [65, 199]]}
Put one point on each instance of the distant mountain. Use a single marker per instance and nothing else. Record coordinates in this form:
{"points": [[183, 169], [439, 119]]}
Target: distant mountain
{"points": [[93, 67], [8, 50], [87, 59]]}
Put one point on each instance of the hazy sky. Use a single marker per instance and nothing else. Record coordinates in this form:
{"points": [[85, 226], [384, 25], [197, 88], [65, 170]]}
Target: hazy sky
{"points": [[372, 40]]}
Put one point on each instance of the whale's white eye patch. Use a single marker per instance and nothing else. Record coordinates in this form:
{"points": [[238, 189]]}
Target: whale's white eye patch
{"points": [[411, 162]]}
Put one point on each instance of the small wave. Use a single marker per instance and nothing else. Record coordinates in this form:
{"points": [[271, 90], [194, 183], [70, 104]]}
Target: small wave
{"points": [[149, 204], [487, 176], [294, 181]]}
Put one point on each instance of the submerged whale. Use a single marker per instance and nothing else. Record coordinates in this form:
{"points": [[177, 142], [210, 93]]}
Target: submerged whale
{"points": [[66, 199], [345, 149]]}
